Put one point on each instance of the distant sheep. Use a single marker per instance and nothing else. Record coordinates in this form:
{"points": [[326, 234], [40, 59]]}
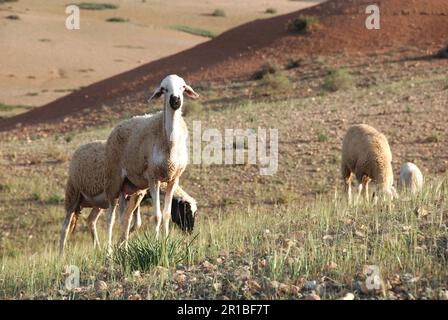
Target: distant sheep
{"points": [[85, 188], [147, 150], [411, 177], [366, 154]]}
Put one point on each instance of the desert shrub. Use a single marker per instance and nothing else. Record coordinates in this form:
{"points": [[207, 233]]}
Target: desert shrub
{"points": [[7, 1], [338, 79], [96, 6], [195, 31], [271, 11], [269, 67], [219, 13], [12, 17], [293, 63], [278, 81], [443, 53], [302, 24], [117, 19]]}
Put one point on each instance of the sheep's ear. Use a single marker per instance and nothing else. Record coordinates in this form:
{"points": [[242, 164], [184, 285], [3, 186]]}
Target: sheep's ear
{"points": [[190, 92], [157, 93]]}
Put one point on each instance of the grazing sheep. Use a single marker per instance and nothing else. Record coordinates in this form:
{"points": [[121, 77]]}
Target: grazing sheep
{"points": [[411, 177], [366, 154], [85, 188], [146, 150]]}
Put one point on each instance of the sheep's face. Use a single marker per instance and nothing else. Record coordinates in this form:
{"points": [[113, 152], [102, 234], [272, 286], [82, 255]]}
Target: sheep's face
{"points": [[173, 88], [183, 214]]}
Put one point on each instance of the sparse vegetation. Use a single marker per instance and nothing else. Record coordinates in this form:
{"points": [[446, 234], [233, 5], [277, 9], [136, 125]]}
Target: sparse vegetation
{"points": [[443, 53], [433, 138], [7, 1], [195, 31], [293, 63], [273, 82], [192, 108], [269, 67], [322, 137], [96, 6], [338, 79], [117, 19], [271, 11], [219, 13], [12, 17], [303, 24]]}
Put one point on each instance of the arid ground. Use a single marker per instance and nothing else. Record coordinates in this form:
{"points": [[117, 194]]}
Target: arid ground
{"points": [[41, 60]]}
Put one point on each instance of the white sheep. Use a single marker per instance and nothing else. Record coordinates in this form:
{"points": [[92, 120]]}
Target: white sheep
{"points": [[85, 188], [366, 154], [146, 150], [411, 177]]}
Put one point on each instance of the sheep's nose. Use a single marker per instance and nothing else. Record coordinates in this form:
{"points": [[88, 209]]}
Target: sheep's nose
{"points": [[174, 101]]}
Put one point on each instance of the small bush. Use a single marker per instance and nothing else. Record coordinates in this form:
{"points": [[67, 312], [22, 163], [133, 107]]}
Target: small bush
{"points": [[146, 252], [443, 53], [293, 63], [117, 19], [55, 199], [267, 68], [271, 11], [219, 13], [276, 82], [434, 137], [302, 24], [97, 6], [12, 17], [338, 79], [7, 1], [4, 187]]}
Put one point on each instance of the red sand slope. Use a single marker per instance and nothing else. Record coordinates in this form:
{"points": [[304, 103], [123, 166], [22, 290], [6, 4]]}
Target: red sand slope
{"points": [[238, 52]]}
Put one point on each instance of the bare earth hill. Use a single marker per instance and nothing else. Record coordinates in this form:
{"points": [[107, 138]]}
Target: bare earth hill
{"points": [[240, 51]]}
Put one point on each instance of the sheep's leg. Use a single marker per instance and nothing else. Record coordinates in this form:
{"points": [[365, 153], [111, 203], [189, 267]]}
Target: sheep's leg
{"points": [[155, 195], [110, 224], [365, 187], [65, 230], [347, 177], [91, 224], [169, 192], [133, 204], [74, 221], [137, 221]]}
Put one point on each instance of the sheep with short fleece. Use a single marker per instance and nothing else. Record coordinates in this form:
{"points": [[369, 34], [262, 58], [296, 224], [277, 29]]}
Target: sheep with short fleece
{"points": [[146, 150], [411, 177], [85, 188], [366, 154]]}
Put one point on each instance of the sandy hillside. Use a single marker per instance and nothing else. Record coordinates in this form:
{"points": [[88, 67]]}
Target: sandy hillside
{"points": [[41, 60]]}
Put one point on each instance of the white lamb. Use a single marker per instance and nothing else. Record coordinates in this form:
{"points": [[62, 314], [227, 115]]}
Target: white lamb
{"points": [[411, 177]]}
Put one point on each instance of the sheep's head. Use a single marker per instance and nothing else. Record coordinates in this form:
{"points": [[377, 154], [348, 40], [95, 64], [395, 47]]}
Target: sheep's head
{"points": [[183, 213], [173, 87]]}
